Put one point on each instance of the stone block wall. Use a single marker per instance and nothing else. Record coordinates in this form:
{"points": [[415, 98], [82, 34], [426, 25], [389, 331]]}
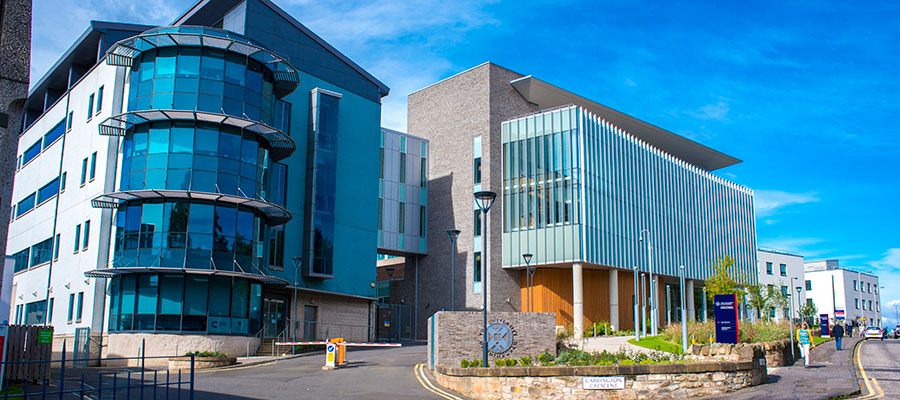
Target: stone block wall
{"points": [[454, 336], [168, 345], [641, 381], [777, 353]]}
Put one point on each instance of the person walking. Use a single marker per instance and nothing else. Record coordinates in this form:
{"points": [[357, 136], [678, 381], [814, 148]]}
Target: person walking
{"points": [[804, 339], [838, 333]]}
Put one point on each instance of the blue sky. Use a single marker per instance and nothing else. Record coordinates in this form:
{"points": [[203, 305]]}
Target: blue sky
{"points": [[808, 98]]}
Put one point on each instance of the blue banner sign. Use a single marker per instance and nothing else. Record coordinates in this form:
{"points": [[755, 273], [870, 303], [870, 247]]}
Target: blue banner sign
{"points": [[823, 325], [726, 318]]}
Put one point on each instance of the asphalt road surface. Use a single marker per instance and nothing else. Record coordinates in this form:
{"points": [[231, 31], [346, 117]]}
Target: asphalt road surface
{"points": [[880, 360]]}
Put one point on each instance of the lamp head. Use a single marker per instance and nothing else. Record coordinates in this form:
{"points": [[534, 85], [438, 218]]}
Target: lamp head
{"points": [[485, 199], [452, 234], [799, 289], [390, 271], [527, 257]]}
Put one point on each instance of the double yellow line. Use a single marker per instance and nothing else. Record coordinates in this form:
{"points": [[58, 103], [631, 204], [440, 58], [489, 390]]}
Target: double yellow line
{"points": [[872, 387], [423, 380]]}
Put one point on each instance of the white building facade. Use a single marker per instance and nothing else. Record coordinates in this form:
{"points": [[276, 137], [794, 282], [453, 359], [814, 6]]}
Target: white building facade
{"points": [[831, 287], [782, 272]]}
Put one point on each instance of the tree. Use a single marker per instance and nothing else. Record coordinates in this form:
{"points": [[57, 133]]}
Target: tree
{"points": [[759, 298], [722, 280], [809, 311]]}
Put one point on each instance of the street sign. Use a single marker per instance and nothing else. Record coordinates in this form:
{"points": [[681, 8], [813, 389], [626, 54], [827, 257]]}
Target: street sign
{"points": [[838, 314], [726, 318], [823, 326], [330, 354], [602, 382]]}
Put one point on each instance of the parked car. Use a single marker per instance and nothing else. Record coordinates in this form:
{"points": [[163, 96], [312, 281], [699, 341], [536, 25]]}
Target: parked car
{"points": [[875, 332], [895, 333]]}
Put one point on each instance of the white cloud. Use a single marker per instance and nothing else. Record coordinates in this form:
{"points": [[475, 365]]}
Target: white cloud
{"points": [[768, 202], [796, 245], [890, 261], [717, 111]]}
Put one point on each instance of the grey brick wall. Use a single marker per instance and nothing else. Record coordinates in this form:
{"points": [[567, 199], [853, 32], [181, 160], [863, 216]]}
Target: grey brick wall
{"points": [[450, 114], [454, 336]]}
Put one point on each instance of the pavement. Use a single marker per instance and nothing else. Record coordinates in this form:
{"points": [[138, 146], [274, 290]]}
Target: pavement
{"points": [[877, 369], [830, 374]]}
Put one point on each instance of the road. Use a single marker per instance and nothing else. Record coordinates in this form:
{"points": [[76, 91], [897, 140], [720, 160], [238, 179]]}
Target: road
{"points": [[880, 372]]}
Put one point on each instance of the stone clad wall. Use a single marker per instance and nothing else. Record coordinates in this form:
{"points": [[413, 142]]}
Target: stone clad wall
{"points": [[641, 381], [454, 336], [777, 353]]}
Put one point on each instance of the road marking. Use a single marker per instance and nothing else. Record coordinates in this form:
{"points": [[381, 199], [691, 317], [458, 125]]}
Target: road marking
{"points": [[423, 380], [873, 389]]}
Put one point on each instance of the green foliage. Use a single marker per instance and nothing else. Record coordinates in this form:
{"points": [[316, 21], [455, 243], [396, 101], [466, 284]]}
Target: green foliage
{"points": [[525, 360], [205, 354], [476, 363], [622, 357], [464, 363], [546, 358], [722, 281], [809, 310], [506, 362], [564, 333]]}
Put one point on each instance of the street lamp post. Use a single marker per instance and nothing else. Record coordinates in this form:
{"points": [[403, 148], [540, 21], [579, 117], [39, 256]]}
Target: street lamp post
{"points": [[653, 299], [799, 305], [684, 344], [530, 279], [637, 332], [791, 325], [484, 199], [452, 234], [643, 307], [296, 312]]}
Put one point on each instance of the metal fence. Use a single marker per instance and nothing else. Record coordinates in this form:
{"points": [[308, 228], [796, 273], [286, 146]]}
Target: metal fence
{"points": [[67, 382], [393, 322]]}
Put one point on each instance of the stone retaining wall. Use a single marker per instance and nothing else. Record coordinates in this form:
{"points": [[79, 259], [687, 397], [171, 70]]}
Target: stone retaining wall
{"points": [[641, 381], [777, 353]]}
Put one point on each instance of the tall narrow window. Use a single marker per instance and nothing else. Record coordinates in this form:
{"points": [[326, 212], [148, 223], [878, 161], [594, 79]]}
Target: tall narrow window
{"points": [[769, 268], [402, 167], [380, 214], [62, 182], [84, 164], [477, 272], [80, 307], [50, 312], [90, 107], [69, 122], [783, 269], [402, 217], [477, 169], [423, 173], [477, 223], [87, 234], [71, 308], [56, 248], [808, 285], [100, 99], [381, 162], [77, 237], [93, 165], [421, 221]]}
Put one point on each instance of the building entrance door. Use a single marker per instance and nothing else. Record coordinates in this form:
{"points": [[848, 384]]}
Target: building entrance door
{"points": [[273, 317], [310, 316]]}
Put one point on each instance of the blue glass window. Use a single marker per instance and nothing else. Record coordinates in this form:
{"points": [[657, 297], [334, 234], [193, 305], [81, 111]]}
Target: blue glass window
{"points": [[322, 176], [55, 133], [25, 205], [21, 259], [42, 252], [47, 191], [31, 152]]}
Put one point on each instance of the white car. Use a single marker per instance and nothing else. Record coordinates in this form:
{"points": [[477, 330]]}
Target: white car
{"points": [[874, 332]]}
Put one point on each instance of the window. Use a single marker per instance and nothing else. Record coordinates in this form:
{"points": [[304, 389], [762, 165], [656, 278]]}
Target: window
{"points": [[41, 252], [62, 182], [71, 308], [477, 169], [93, 165], [870, 305], [50, 312], [80, 307], [402, 217], [84, 165], [90, 108], [87, 234], [69, 122], [381, 162], [25, 205], [783, 269], [421, 221], [77, 237], [31, 152], [769, 268], [48, 191], [477, 264], [402, 167], [380, 214], [477, 223], [854, 284], [423, 178], [856, 302], [56, 248], [869, 287], [808, 285], [21, 258], [810, 303], [784, 290], [54, 134], [100, 99]]}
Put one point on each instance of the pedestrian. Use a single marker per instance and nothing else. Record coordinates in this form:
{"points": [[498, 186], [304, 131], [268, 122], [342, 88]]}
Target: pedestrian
{"points": [[838, 333], [804, 339]]}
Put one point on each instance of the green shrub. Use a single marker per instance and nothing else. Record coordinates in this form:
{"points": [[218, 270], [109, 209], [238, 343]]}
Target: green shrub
{"points": [[205, 354], [464, 363], [546, 358], [525, 360], [476, 363]]}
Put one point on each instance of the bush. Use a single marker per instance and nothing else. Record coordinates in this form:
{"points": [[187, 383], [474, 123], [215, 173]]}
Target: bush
{"points": [[205, 354], [464, 363], [476, 363], [750, 332], [525, 360], [546, 358], [506, 362]]}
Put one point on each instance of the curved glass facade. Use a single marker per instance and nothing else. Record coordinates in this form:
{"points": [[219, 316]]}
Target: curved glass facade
{"points": [[183, 234], [184, 303], [198, 156]]}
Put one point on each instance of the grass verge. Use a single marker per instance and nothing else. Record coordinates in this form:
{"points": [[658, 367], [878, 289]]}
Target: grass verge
{"points": [[819, 339], [657, 343]]}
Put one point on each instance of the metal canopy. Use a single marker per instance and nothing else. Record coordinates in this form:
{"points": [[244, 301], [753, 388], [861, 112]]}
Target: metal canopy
{"points": [[111, 272], [280, 144], [275, 214], [547, 96], [123, 52]]}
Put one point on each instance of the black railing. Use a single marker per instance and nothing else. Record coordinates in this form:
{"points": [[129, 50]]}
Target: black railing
{"points": [[68, 382]]}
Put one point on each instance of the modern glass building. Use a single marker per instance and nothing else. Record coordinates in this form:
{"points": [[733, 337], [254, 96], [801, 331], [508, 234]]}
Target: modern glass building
{"points": [[581, 187], [223, 185]]}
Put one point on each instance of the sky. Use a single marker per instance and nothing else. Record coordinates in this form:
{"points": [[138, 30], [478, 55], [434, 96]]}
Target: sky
{"points": [[808, 98]]}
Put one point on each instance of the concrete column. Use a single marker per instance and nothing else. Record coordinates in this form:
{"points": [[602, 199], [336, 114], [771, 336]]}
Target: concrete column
{"points": [[614, 298], [689, 293], [577, 301]]}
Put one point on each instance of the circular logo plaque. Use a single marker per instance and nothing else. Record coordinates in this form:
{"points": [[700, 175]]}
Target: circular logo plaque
{"points": [[499, 337]]}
